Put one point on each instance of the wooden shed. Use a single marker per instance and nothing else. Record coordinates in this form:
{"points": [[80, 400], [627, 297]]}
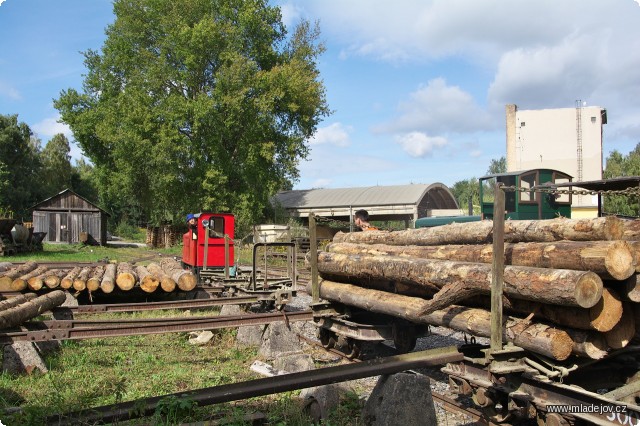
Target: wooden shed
{"points": [[66, 215]]}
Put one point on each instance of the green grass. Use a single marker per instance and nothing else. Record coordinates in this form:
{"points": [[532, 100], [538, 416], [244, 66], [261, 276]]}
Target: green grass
{"points": [[84, 253]]}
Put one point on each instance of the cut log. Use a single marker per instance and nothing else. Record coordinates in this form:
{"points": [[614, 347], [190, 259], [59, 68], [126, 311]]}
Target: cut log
{"points": [[625, 329], [185, 279], [126, 278], [536, 337], [635, 245], [603, 228], [17, 315], [36, 283], [148, 283], [628, 289], [609, 259], [108, 282], [80, 283], [54, 276], [631, 230], [588, 344], [16, 300], [166, 282], [7, 278], [5, 266], [459, 280], [93, 283], [20, 283], [67, 281], [607, 312]]}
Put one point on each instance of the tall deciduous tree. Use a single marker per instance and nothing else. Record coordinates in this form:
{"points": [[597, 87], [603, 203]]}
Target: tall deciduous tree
{"points": [[19, 167], [194, 105], [56, 161], [619, 165]]}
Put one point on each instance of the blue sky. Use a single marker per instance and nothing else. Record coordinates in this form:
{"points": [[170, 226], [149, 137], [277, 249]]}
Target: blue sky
{"points": [[418, 87]]}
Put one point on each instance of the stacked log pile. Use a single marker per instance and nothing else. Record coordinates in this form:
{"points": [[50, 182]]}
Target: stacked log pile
{"points": [[166, 276], [17, 310], [571, 286]]}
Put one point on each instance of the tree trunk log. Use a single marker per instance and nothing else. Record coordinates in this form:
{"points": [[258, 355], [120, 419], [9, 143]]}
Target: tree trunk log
{"points": [[625, 329], [148, 282], [17, 315], [36, 283], [186, 280], [5, 266], [126, 278], [459, 280], [53, 278], [536, 337], [80, 283], [588, 344], [608, 259], [602, 228], [20, 283], [108, 282], [7, 279], [93, 283], [607, 312], [17, 300], [67, 281], [631, 230], [166, 282]]}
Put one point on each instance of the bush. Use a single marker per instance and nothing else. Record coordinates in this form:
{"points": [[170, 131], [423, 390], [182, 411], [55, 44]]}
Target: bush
{"points": [[130, 232]]}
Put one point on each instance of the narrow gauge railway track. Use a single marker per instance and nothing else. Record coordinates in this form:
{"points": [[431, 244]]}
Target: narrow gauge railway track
{"points": [[447, 403]]}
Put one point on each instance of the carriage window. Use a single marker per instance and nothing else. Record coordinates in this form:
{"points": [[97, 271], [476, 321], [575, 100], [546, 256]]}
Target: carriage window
{"points": [[216, 227], [528, 181], [562, 198]]}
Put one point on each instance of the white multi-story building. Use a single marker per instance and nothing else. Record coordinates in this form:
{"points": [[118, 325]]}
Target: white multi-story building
{"points": [[564, 139]]}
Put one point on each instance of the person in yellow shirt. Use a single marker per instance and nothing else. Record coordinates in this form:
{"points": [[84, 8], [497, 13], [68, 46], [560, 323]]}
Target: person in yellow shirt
{"points": [[361, 219]]}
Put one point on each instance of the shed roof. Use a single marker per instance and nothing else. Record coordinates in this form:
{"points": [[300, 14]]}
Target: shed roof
{"points": [[61, 193]]}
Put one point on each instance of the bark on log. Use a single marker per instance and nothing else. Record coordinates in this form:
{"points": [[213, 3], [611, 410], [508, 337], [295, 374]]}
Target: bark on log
{"points": [[608, 259], [20, 283], [536, 337], [635, 245], [53, 278], [80, 283], [7, 278], [93, 283], [126, 278], [148, 283], [36, 283], [67, 281], [186, 280], [628, 289], [625, 329], [607, 312], [17, 300], [166, 282], [5, 266], [602, 228], [460, 280], [588, 344], [108, 282], [631, 230], [17, 315]]}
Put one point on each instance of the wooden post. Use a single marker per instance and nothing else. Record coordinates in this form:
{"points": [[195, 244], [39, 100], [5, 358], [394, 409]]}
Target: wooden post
{"points": [[313, 249], [497, 269]]}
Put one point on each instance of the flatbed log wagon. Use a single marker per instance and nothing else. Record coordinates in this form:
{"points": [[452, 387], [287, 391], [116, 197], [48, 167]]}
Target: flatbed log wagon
{"points": [[547, 361]]}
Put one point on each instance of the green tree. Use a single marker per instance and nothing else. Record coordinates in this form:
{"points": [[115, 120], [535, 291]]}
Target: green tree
{"points": [[497, 166], [197, 105], [619, 165], [466, 190], [83, 180], [56, 162], [19, 164]]}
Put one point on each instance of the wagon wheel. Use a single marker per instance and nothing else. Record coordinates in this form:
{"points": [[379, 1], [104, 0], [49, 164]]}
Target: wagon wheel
{"points": [[404, 338], [354, 348], [327, 338]]}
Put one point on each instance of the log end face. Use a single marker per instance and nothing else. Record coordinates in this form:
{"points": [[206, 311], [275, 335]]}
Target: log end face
{"points": [[588, 290], [187, 282], [561, 346], [620, 261]]}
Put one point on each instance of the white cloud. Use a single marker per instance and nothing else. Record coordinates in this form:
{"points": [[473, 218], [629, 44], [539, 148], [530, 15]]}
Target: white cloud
{"points": [[419, 145], [9, 92], [49, 127], [335, 134], [438, 108]]}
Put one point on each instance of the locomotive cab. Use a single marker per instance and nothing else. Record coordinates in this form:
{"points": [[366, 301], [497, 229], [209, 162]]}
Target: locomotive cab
{"points": [[208, 244]]}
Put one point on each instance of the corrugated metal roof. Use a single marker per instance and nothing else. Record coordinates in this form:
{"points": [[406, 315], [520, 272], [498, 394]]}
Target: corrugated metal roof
{"points": [[361, 197]]}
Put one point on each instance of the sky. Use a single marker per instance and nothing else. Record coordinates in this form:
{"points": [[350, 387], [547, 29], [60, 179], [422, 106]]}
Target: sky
{"points": [[417, 88]]}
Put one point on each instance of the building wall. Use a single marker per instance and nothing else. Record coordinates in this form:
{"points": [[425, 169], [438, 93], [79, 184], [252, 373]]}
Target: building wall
{"points": [[548, 138]]}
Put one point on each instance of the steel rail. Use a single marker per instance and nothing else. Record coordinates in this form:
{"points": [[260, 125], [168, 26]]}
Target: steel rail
{"points": [[150, 306], [154, 327], [265, 386]]}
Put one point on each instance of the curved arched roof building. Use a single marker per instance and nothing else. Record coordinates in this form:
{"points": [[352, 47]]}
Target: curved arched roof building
{"points": [[398, 202]]}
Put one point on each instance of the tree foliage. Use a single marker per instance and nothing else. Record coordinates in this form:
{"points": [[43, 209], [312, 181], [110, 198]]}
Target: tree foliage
{"points": [[56, 162], [619, 165], [197, 105], [469, 189]]}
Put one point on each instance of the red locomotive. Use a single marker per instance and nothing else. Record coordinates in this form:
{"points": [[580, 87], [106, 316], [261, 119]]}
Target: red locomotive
{"points": [[208, 244]]}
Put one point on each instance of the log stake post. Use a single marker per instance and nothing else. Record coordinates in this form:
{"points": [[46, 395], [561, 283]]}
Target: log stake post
{"points": [[313, 248], [226, 256], [497, 270]]}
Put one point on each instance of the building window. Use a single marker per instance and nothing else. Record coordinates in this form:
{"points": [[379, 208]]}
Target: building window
{"points": [[593, 120], [522, 124]]}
